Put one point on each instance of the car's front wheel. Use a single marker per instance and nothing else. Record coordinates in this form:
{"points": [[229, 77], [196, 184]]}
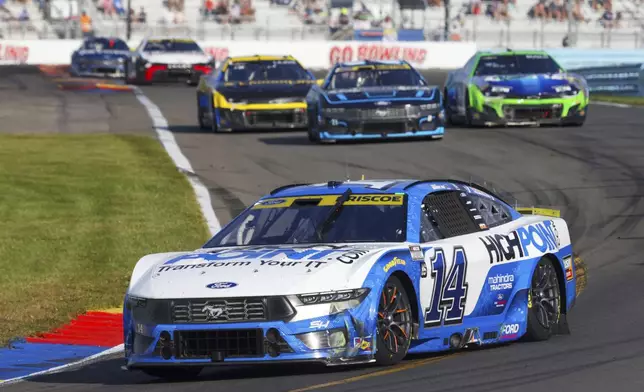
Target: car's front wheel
{"points": [[394, 323], [173, 373], [313, 133], [544, 302]]}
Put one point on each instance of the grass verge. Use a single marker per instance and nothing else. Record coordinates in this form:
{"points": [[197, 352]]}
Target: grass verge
{"points": [[76, 213], [635, 101]]}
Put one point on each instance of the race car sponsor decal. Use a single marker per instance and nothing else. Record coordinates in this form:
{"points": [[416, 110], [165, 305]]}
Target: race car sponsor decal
{"points": [[568, 267], [500, 301], [394, 262], [423, 269], [330, 200], [501, 282], [264, 82], [509, 331], [260, 263], [314, 256], [416, 252], [319, 324], [363, 344], [221, 285], [541, 236], [442, 187]]}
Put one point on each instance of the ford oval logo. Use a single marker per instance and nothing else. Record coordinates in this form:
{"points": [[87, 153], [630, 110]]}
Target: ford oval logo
{"points": [[221, 285]]}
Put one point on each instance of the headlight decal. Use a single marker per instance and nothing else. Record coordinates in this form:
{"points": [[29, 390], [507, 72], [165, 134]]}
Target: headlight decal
{"points": [[333, 296]]}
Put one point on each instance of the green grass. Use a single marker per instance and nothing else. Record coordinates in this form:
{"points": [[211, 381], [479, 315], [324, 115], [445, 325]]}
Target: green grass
{"points": [[76, 213], [637, 101]]}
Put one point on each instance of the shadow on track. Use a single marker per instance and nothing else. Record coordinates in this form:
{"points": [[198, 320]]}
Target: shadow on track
{"points": [[304, 141], [110, 373]]}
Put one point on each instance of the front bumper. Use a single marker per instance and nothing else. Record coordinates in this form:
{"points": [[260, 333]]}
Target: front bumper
{"points": [[228, 119], [246, 343], [99, 69], [426, 125], [511, 112], [164, 73]]}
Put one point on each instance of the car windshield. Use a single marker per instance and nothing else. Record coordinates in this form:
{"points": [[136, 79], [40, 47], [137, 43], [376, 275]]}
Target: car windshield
{"points": [[311, 219], [99, 44], [374, 76], [516, 64], [171, 45], [249, 71]]}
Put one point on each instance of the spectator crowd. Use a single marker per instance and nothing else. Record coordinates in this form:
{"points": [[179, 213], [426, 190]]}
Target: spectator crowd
{"points": [[229, 12]]}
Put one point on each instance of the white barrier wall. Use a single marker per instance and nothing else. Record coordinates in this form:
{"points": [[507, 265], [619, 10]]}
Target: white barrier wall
{"points": [[312, 54]]}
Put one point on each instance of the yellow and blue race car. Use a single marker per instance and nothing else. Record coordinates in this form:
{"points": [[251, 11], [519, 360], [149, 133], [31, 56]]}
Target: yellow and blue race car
{"points": [[254, 92]]}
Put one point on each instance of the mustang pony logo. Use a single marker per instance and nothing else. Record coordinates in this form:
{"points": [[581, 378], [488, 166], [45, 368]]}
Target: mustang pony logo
{"points": [[213, 312]]}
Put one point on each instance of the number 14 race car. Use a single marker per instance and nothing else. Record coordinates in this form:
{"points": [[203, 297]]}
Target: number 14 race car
{"points": [[352, 272]]}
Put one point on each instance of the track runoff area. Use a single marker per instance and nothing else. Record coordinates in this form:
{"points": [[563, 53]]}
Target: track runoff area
{"points": [[593, 176]]}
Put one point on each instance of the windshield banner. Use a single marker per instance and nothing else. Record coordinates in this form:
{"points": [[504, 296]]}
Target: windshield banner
{"points": [[330, 200]]}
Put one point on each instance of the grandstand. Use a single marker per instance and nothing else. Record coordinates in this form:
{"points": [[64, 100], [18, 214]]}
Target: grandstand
{"points": [[491, 23]]}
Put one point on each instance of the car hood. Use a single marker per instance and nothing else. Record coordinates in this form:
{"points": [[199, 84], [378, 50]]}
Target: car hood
{"points": [[377, 94], [263, 92], [177, 57], [258, 271], [103, 54], [526, 84]]}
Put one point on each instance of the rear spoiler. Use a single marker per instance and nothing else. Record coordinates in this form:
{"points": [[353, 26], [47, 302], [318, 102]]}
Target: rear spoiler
{"points": [[539, 211]]}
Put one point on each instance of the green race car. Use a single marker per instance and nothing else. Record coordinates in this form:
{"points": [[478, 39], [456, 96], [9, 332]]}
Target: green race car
{"points": [[515, 88]]}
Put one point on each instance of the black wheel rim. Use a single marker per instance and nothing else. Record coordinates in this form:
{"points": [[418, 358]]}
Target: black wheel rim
{"points": [[545, 295], [394, 318]]}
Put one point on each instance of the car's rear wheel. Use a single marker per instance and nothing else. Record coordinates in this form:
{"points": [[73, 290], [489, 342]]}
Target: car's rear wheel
{"points": [[173, 373], [544, 302], [394, 323]]}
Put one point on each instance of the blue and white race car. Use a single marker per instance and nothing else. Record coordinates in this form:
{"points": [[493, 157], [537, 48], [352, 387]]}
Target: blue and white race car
{"points": [[100, 57], [352, 272], [372, 100]]}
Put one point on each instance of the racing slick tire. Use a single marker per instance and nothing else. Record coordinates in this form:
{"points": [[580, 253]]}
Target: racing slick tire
{"points": [[137, 78], [200, 117], [313, 134], [544, 302], [394, 323], [448, 111], [172, 373], [468, 122]]}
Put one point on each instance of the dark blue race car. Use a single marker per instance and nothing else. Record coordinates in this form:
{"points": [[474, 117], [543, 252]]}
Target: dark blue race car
{"points": [[101, 57], [374, 99]]}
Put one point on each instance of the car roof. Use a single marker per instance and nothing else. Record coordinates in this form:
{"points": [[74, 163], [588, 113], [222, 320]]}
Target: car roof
{"points": [[258, 57], [371, 62], [411, 187], [509, 52], [176, 38], [107, 37]]}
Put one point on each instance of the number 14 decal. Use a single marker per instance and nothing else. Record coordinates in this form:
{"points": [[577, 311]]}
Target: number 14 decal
{"points": [[450, 294]]}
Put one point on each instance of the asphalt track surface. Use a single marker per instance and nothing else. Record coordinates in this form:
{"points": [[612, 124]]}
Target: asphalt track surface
{"points": [[594, 174]]}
